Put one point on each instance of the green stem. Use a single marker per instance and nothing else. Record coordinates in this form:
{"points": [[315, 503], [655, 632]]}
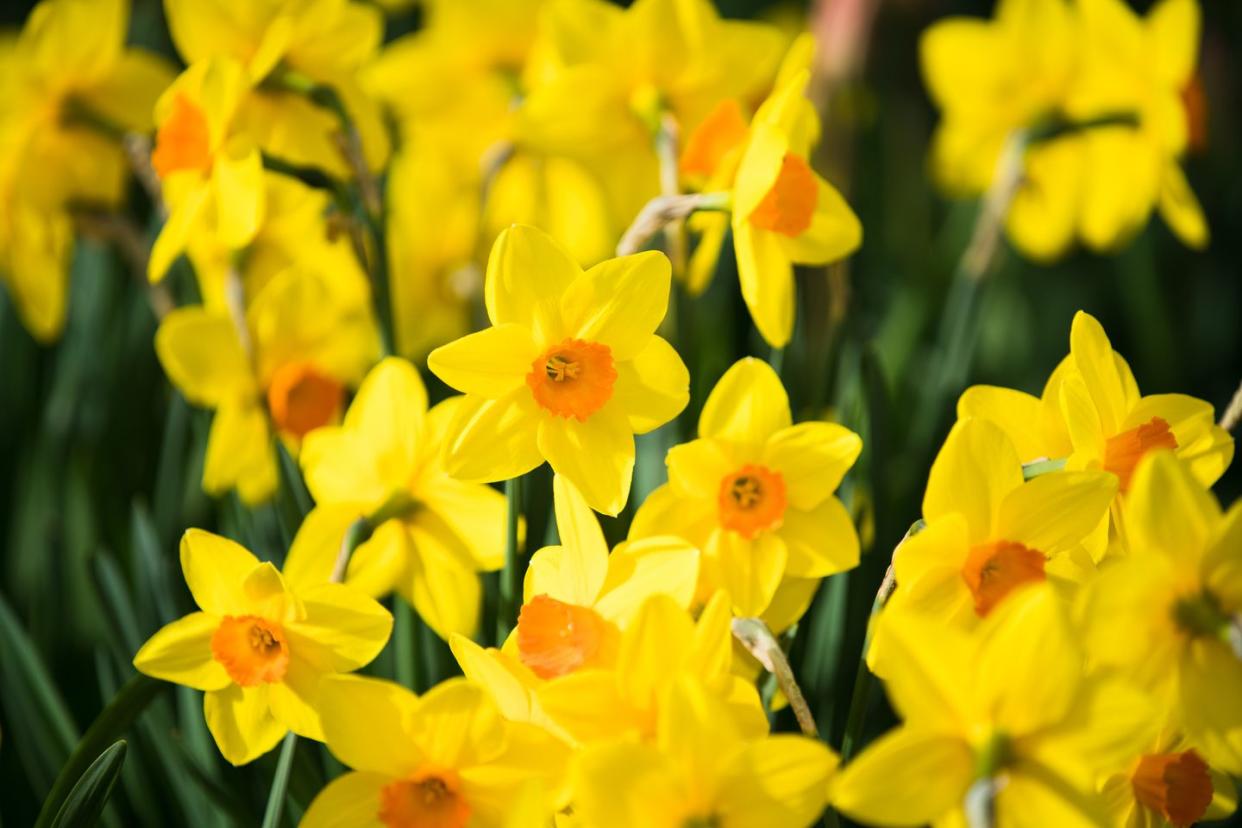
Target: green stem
{"points": [[776, 358], [510, 578], [405, 647], [280, 782], [1031, 470], [111, 723]]}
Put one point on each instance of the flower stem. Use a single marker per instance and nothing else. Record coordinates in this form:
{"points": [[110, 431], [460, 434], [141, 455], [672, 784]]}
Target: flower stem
{"points": [[510, 578], [755, 636], [280, 782], [405, 646]]}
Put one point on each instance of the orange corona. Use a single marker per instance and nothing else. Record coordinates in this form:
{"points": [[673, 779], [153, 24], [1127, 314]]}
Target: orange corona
{"points": [[573, 379], [183, 141], [994, 569], [1123, 451], [790, 204], [428, 800], [302, 399], [751, 500], [723, 130], [1175, 785], [252, 649], [555, 638]]}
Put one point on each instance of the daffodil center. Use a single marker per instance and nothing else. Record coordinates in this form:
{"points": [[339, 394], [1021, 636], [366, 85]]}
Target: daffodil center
{"points": [[722, 131], [703, 821], [994, 569], [1123, 451], [1202, 615], [751, 500], [301, 398], [1174, 785], [790, 205], [573, 378], [993, 755], [253, 650], [183, 140], [428, 800], [555, 638]]}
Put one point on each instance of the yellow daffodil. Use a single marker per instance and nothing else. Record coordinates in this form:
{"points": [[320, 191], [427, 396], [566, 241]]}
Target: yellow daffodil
{"points": [[989, 533], [569, 371], [432, 534], [1002, 720], [68, 85], [623, 701], [755, 493], [287, 370], [324, 41], [445, 759], [259, 648], [1139, 67], [1092, 415], [211, 175], [701, 771], [1169, 612], [783, 212], [1168, 786], [578, 600]]}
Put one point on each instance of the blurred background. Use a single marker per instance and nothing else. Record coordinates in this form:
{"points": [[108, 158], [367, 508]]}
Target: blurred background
{"points": [[100, 460]]}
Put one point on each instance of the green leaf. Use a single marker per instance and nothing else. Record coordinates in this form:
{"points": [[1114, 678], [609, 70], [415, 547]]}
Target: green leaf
{"points": [[85, 803]]}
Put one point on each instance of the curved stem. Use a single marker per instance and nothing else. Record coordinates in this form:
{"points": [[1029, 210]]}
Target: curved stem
{"points": [[755, 636]]}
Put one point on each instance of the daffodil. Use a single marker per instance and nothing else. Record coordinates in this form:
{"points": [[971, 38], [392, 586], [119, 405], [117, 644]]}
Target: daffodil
{"points": [[988, 532], [755, 493], [286, 370], [211, 173], [432, 534], [445, 759], [1140, 67], [1092, 416], [622, 701], [578, 599], [258, 648], [68, 85], [1002, 721], [326, 41], [569, 372], [1169, 612], [783, 212], [701, 771], [1168, 786]]}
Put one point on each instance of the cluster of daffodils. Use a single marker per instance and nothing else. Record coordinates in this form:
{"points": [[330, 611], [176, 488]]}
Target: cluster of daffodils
{"points": [[1097, 104], [1064, 641]]}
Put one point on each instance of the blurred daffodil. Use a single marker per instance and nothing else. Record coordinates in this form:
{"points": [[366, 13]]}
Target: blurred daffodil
{"points": [[259, 648], [68, 87], [1169, 786], [445, 759], [1170, 612], [755, 493], [1002, 722], [431, 535], [700, 770], [285, 370], [569, 371]]}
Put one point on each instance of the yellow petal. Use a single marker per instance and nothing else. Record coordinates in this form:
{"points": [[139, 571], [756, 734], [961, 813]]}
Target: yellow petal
{"points": [[442, 587], [749, 570], [1202, 445], [1180, 208], [490, 363], [622, 785], [294, 699], [957, 56], [203, 357], [1210, 680], [241, 722], [350, 799], [812, 458], [597, 455], [458, 725], [471, 512], [747, 406], [975, 470], [587, 704], [369, 724], [835, 230], [495, 439], [696, 469], [508, 681], [1167, 511], [1123, 184], [240, 453], [584, 557], [906, 777], [1082, 420], [1042, 796], [1045, 207], [237, 177], [317, 544], [663, 565], [1015, 412], [821, 541], [929, 683], [619, 302], [527, 273], [653, 387], [382, 564], [1222, 563], [758, 170], [180, 652], [342, 630], [215, 570], [184, 217], [780, 780], [1104, 376], [1055, 512], [1173, 28], [127, 95], [767, 279]]}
